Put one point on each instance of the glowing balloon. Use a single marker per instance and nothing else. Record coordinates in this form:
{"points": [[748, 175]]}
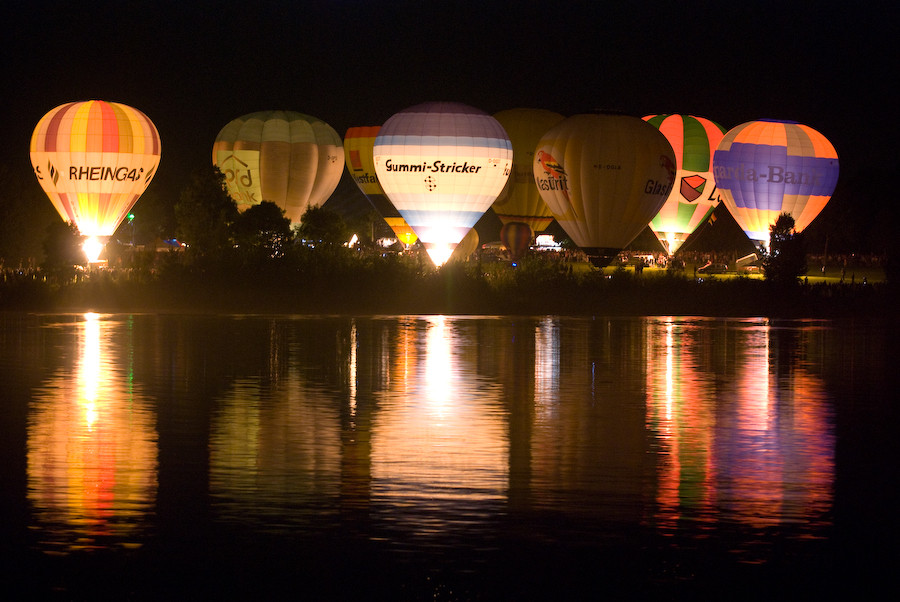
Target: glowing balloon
{"points": [[94, 159], [516, 237], [520, 200], [465, 248], [358, 143], [291, 159], [694, 196], [442, 164], [765, 168], [604, 177]]}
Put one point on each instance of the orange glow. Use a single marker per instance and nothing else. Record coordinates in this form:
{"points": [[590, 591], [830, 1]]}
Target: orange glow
{"points": [[91, 447], [92, 248], [439, 253], [733, 451], [438, 430]]}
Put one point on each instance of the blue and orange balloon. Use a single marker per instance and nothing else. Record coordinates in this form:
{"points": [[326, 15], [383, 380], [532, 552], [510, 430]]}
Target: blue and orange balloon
{"points": [[767, 167]]}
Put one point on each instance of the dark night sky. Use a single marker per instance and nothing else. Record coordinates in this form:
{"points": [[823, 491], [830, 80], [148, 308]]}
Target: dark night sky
{"points": [[193, 66]]}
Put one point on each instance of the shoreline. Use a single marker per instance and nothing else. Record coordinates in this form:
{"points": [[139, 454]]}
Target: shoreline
{"points": [[456, 291]]}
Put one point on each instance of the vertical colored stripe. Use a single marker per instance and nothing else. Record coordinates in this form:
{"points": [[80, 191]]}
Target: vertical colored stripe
{"points": [[78, 130], [673, 128], [50, 141], [109, 127], [821, 145]]}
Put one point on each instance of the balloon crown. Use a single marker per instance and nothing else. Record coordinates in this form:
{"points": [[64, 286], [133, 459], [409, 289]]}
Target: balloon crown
{"points": [[770, 120]]}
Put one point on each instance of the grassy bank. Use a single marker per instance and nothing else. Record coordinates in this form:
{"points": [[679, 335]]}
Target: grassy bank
{"points": [[397, 286]]}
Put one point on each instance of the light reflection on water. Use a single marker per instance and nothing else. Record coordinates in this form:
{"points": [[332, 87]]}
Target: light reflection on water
{"points": [[744, 439], [91, 458], [435, 432]]}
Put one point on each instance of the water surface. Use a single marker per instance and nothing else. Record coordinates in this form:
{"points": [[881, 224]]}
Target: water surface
{"points": [[442, 457]]}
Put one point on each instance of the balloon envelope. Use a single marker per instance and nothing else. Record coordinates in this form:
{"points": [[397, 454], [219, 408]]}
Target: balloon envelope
{"points": [[604, 177], [694, 196], [291, 159], [442, 164], [465, 248], [358, 144], [767, 167], [516, 237], [94, 159], [520, 200]]}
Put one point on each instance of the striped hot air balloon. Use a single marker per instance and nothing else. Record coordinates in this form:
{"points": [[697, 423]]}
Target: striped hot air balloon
{"points": [[94, 159], [291, 159], [442, 164], [694, 196], [767, 167], [358, 144], [516, 237]]}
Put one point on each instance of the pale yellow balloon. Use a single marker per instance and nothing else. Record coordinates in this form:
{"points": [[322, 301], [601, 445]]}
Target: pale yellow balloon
{"points": [[291, 159], [604, 177]]}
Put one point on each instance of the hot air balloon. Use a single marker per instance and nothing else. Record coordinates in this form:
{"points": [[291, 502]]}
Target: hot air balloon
{"points": [[358, 143], [288, 158], [767, 167], [604, 177], [465, 248], [442, 164], [520, 200], [516, 237], [94, 159], [694, 196]]}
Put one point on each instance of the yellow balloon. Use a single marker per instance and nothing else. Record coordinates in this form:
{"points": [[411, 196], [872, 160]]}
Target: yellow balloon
{"points": [[520, 200], [358, 144], [465, 248], [288, 158], [604, 177]]}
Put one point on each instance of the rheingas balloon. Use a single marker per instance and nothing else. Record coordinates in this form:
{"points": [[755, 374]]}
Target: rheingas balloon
{"points": [[767, 167], [520, 200], [694, 196], [358, 144], [604, 177], [291, 159], [442, 164], [94, 159]]}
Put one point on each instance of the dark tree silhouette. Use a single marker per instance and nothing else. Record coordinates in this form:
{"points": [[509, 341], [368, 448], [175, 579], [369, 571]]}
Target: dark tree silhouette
{"points": [[320, 225], [154, 219], [263, 230], [205, 214], [25, 215], [785, 262], [62, 251]]}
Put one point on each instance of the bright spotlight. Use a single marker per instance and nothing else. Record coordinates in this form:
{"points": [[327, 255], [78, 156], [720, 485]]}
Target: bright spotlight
{"points": [[439, 253], [92, 248]]}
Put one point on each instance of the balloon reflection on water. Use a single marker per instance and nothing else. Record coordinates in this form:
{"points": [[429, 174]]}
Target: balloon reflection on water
{"points": [[738, 441], [92, 448], [439, 439]]}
